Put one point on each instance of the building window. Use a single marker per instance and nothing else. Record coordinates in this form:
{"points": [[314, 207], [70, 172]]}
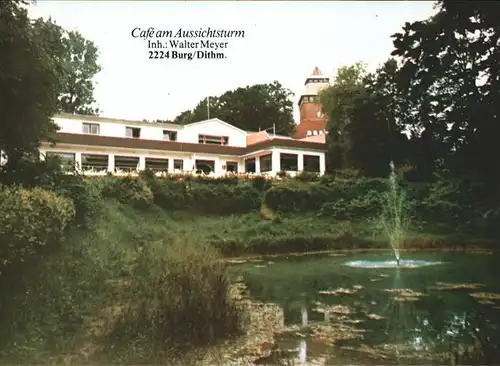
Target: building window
{"points": [[205, 166], [250, 165], [169, 135], [232, 166], [126, 163], [289, 162], [157, 165], [67, 160], [309, 133], [133, 132], [90, 128], [178, 164], [266, 163], [311, 163], [315, 132], [94, 162], [213, 140]]}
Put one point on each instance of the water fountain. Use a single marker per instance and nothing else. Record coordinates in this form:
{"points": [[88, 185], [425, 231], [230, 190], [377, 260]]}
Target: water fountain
{"points": [[394, 221]]}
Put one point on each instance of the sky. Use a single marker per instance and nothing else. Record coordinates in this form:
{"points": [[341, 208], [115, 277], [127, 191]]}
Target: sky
{"points": [[283, 41]]}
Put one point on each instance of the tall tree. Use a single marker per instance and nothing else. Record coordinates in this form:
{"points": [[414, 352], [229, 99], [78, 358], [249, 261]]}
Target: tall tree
{"points": [[80, 65], [29, 81], [366, 114], [339, 102], [451, 67], [253, 108]]}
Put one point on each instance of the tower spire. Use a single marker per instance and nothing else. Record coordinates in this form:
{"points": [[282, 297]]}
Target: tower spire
{"points": [[316, 71]]}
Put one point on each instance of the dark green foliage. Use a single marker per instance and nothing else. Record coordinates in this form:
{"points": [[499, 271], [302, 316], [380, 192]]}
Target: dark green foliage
{"points": [[224, 200], [307, 177], [31, 220], [129, 190], [261, 183], [360, 194], [170, 194], [86, 197], [253, 108]]}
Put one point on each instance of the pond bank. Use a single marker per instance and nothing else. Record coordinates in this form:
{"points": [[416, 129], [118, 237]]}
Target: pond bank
{"points": [[413, 244]]}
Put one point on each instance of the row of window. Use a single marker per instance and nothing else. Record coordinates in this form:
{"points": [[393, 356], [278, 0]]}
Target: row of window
{"points": [[314, 132], [288, 162], [315, 80], [100, 162], [135, 132], [310, 99]]}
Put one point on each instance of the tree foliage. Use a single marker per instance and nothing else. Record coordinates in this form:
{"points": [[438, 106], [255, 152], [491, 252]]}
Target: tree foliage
{"points": [[363, 119], [441, 88], [80, 65], [253, 108], [43, 70], [451, 72], [30, 77]]}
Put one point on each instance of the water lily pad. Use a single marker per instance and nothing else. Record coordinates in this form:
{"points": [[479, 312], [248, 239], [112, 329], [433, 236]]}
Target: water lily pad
{"points": [[486, 296], [405, 293], [374, 316], [486, 302], [340, 291], [443, 286], [405, 298]]}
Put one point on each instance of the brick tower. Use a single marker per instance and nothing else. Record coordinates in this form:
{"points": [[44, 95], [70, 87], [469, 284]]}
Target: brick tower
{"points": [[312, 121]]}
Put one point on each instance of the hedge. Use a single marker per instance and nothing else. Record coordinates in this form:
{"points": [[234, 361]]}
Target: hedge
{"points": [[32, 219]]}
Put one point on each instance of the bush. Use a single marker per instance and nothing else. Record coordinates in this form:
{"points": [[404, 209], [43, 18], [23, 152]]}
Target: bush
{"points": [[367, 205], [31, 220], [181, 295], [307, 177], [170, 194], [223, 199], [314, 196], [86, 198], [261, 183], [129, 190]]}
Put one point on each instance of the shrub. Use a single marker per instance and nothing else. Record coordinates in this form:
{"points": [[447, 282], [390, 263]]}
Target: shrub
{"points": [[261, 183], [314, 196], [129, 190], [307, 177], [366, 205], [223, 199], [86, 198], [181, 295], [170, 194], [31, 220]]}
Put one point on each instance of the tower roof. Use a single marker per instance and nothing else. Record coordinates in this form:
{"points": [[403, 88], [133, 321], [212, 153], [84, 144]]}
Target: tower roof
{"points": [[316, 72]]}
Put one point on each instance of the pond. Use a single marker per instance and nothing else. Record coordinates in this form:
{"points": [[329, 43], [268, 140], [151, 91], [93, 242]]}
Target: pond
{"points": [[341, 314]]}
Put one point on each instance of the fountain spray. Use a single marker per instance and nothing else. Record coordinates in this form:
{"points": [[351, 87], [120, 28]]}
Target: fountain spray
{"points": [[395, 219]]}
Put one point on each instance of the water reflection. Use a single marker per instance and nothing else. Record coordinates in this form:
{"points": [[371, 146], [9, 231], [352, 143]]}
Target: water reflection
{"points": [[392, 315]]}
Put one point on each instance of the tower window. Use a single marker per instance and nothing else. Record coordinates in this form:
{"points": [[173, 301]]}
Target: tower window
{"points": [[309, 133], [315, 132]]}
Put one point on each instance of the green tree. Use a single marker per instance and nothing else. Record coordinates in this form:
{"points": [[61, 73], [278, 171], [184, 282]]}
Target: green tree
{"points": [[366, 116], [29, 82], [253, 108], [451, 71], [340, 101], [80, 65]]}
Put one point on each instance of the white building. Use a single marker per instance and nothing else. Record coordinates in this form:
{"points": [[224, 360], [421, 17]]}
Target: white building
{"points": [[97, 144]]}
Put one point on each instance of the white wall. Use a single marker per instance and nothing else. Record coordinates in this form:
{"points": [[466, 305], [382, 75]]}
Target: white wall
{"points": [[188, 158], [214, 128], [154, 132]]}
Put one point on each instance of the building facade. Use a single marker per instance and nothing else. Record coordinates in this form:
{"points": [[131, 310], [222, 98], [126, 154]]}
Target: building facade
{"points": [[97, 145], [313, 123]]}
